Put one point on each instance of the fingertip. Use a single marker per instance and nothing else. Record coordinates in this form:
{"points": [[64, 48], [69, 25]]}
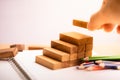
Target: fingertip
{"points": [[108, 27], [118, 29]]}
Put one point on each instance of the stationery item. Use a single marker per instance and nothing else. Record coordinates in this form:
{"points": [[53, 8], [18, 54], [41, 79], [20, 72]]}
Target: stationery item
{"points": [[94, 68], [108, 62], [101, 58], [110, 66], [85, 65]]}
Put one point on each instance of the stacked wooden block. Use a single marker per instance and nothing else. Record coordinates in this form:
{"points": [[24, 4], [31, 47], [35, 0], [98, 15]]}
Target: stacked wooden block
{"points": [[66, 51], [12, 51]]}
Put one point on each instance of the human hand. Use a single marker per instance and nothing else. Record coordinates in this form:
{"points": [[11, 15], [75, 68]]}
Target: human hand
{"points": [[107, 17]]}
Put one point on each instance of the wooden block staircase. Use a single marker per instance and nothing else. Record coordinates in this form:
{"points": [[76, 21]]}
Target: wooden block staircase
{"points": [[67, 51]]}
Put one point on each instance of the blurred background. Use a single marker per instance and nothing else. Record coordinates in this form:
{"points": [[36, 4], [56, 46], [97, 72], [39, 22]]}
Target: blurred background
{"points": [[40, 21]]}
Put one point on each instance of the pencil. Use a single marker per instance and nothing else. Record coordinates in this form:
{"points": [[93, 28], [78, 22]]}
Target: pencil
{"points": [[101, 58]]}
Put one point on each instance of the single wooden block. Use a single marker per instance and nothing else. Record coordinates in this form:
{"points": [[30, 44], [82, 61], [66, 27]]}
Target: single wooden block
{"points": [[64, 46], [20, 47], [81, 55], [88, 53], [48, 62], [34, 48], [8, 52], [80, 23], [75, 38], [37, 47], [88, 47], [56, 54]]}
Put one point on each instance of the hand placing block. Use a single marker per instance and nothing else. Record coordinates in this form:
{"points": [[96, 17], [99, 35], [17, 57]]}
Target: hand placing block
{"points": [[48, 62], [20, 47], [8, 52]]}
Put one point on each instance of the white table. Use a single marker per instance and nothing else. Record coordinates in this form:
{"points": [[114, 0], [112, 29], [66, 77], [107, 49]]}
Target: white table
{"points": [[39, 72]]}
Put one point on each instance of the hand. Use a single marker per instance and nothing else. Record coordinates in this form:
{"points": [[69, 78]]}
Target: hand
{"points": [[107, 17]]}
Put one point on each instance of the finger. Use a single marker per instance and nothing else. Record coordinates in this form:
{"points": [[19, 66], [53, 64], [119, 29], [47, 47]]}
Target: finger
{"points": [[118, 29], [108, 27], [96, 21]]}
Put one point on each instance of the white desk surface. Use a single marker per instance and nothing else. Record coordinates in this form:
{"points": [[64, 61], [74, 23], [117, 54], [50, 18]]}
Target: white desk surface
{"points": [[39, 72]]}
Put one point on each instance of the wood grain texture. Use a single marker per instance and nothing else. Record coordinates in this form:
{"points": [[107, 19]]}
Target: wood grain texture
{"points": [[88, 53], [56, 54], [64, 46], [48, 62], [8, 52], [37, 47], [75, 38], [20, 47], [80, 23]]}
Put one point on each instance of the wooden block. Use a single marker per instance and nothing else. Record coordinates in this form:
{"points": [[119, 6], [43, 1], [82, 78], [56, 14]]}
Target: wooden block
{"points": [[88, 47], [20, 47], [81, 48], [56, 54], [64, 46], [37, 47], [80, 23], [8, 52], [74, 63], [3, 46], [75, 38], [73, 56], [89, 40], [48, 62], [81, 55], [88, 53], [70, 63], [65, 64]]}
